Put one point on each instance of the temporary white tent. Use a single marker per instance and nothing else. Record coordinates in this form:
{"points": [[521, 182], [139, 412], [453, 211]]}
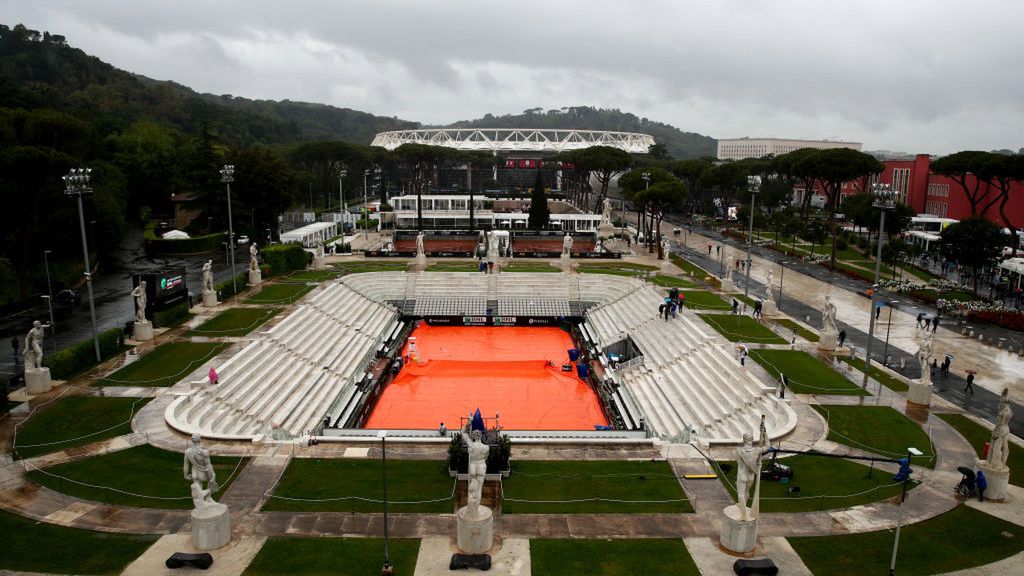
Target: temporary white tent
{"points": [[175, 235]]}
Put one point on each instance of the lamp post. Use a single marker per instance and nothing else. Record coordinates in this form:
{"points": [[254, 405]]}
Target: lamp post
{"points": [[388, 569], [76, 183], [49, 305], [899, 519], [782, 277], [341, 195], [883, 194], [227, 176], [753, 186], [49, 292], [643, 225]]}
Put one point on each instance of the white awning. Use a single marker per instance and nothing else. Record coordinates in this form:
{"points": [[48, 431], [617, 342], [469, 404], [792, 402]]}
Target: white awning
{"points": [[175, 235]]}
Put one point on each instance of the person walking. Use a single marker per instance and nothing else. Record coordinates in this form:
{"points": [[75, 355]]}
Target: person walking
{"points": [[842, 337], [743, 355], [970, 383], [735, 306], [935, 324], [920, 317], [982, 483]]}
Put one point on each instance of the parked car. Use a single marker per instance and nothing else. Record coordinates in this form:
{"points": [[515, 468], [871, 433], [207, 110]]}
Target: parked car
{"points": [[69, 298], [243, 239]]}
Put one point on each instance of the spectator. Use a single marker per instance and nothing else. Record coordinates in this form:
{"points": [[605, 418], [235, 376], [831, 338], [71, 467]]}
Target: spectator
{"points": [[842, 337], [982, 483], [735, 306], [935, 324], [920, 317], [442, 430], [970, 383]]}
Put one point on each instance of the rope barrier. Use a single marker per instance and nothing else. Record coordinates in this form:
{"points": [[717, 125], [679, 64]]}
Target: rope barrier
{"points": [[14, 440], [254, 324], [188, 368], [362, 499]]}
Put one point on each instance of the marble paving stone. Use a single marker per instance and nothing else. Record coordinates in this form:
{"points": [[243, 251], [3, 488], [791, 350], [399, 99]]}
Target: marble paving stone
{"points": [[231, 560], [712, 561]]}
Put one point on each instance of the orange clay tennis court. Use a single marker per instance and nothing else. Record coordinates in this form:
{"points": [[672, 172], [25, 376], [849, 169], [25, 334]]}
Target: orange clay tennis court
{"points": [[502, 370]]}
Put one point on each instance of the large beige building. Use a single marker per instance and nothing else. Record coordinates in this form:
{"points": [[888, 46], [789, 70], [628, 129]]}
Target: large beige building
{"points": [[740, 148]]}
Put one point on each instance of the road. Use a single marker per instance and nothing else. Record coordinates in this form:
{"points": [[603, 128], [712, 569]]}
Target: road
{"points": [[111, 287]]}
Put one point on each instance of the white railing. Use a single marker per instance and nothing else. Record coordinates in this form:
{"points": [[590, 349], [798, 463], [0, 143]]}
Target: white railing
{"points": [[516, 139]]}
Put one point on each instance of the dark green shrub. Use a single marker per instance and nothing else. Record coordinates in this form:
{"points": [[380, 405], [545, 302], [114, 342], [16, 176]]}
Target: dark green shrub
{"points": [[171, 316], [285, 258], [226, 289], [81, 356]]}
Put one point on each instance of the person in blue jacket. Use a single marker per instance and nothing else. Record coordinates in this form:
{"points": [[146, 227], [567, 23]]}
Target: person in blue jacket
{"points": [[982, 484]]}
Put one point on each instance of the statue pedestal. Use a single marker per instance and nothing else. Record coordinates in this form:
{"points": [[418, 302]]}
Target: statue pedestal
{"points": [[209, 298], [738, 535], [919, 393], [566, 263], [727, 285], [421, 261], [606, 230], [997, 482], [768, 308], [255, 277], [827, 342], [37, 380], [318, 263], [475, 535], [143, 331], [211, 526]]}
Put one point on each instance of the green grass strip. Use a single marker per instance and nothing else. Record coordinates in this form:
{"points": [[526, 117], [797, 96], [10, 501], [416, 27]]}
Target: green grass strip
{"points": [[357, 266], [75, 421], [890, 382], [804, 333], [805, 373], [978, 435], [737, 328], [143, 477], [960, 539], [648, 556], [671, 282], [877, 429], [279, 294], [164, 365], [286, 556], [349, 485], [235, 322], [454, 267], [592, 487], [527, 266], [31, 546]]}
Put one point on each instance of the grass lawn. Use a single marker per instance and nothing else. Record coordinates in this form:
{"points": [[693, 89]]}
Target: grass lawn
{"points": [[76, 421], [520, 265], [959, 539], [692, 269], [745, 299], [284, 555], [671, 282], [338, 484], [701, 300], [878, 429], [978, 435], [825, 484], [235, 322], [356, 266], [804, 333], [279, 294], [312, 276], [616, 268], [164, 366], [454, 267], [738, 328], [144, 470], [576, 480], [648, 556], [806, 374], [888, 381], [31, 546]]}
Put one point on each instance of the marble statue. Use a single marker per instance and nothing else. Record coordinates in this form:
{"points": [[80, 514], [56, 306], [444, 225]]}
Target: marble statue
{"points": [[829, 317], [748, 466], [606, 211], [924, 353], [208, 276], [254, 264], [768, 288], [567, 244], [320, 249], [478, 452], [199, 469], [492, 247], [999, 445], [419, 244], [140, 301], [33, 354]]}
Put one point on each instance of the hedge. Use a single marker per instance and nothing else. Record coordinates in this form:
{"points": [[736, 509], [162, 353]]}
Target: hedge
{"points": [[284, 258], [195, 245], [226, 289], [79, 357], [171, 316], [1005, 319]]}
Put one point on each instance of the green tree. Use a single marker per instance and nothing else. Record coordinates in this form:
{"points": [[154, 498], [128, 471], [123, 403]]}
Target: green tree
{"points": [[796, 166], [264, 187], [962, 167], [723, 182], [603, 162], [975, 243], [662, 197], [421, 161], [1000, 172], [539, 213], [690, 172], [632, 183], [658, 151]]}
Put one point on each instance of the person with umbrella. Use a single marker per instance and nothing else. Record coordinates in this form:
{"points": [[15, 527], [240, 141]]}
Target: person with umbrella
{"points": [[970, 382]]}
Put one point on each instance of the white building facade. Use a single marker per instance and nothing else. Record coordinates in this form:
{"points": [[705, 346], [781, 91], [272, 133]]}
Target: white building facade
{"points": [[740, 148]]}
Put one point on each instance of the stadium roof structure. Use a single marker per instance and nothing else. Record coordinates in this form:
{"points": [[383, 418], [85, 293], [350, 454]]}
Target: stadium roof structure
{"points": [[515, 139]]}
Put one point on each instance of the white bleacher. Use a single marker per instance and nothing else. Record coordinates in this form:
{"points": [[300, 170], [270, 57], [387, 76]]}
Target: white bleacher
{"points": [[290, 377], [689, 378]]}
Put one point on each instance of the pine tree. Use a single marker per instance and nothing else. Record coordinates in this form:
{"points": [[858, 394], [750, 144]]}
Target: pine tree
{"points": [[539, 213]]}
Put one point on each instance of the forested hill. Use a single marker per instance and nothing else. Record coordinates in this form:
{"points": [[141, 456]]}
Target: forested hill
{"points": [[43, 71], [680, 144]]}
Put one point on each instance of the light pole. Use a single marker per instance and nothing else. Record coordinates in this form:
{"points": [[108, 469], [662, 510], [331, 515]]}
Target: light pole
{"points": [[49, 305], [643, 225], [883, 201], [782, 277], [366, 211], [76, 183], [753, 186], [341, 196], [388, 569], [49, 292], [899, 519], [227, 176]]}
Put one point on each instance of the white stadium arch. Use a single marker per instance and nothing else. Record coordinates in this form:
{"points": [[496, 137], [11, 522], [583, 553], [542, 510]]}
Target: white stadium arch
{"points": [[515, 139]]}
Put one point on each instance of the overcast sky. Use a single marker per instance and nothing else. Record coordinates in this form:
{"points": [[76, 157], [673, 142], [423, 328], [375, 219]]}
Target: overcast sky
{"points": [[919, 76]]}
